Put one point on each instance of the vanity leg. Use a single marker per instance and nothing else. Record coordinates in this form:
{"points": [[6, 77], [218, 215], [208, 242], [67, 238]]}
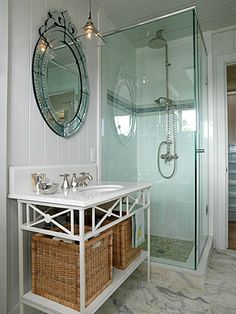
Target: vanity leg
{"points": [[21, 254], [148, 239], [82, 262]]}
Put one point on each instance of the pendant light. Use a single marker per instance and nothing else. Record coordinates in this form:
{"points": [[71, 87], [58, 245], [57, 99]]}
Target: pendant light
{"points": [[89, 28]]}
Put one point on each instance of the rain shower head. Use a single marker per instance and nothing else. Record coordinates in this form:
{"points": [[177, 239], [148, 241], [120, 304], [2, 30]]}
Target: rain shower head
{"points": [[158, 41]]}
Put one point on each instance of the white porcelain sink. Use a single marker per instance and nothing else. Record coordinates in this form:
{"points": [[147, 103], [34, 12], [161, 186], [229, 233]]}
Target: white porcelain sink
{"points": [[102, 188]]}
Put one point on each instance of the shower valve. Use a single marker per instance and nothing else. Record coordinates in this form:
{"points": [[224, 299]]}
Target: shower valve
{"points": [[168, 156]]}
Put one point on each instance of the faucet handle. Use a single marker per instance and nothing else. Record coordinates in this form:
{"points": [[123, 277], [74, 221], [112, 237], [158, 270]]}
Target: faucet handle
{"points": [[65, 183], [73, 180], [65, 175], [87, 175], [90, 177]]}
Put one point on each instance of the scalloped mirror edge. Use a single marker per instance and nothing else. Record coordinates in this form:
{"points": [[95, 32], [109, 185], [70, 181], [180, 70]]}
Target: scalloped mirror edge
{"points": [[59, 73]]}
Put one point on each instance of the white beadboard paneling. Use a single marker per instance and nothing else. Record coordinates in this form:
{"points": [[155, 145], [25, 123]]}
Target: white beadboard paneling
{"points": [[93, 107], [227, 41], [63, 150], [50, 138], [73, 9], [19, 32], [83, 13], [213, 14], [50, 147], [63, 5], [13, 282], [73, 150], [83, 142], [31, 141], [52, 5], [4, 24], [36, 123], [216, 43]]}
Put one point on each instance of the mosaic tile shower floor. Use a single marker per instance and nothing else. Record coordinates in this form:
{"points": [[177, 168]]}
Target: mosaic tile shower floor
{"points": [[173, 249]]}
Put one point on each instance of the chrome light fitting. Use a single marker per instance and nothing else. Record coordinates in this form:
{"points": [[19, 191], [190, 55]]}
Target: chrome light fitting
{"points": [[90, 29]]}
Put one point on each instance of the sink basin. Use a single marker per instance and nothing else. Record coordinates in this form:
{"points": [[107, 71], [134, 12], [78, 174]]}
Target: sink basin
{"points": [[102, 188]]}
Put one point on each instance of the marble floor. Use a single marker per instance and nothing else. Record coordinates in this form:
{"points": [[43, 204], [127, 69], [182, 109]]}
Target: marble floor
{"points": [[136, 296]]}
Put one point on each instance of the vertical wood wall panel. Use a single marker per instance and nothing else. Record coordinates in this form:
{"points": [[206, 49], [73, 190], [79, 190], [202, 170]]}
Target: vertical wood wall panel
{"points": [[50, 138], [216, 43], [36, 122], [19, 98], [4, 26], [223, 44], [227, 41], [52, 5], [32, 142], [92, 110], [63, 150], [73, 9]]}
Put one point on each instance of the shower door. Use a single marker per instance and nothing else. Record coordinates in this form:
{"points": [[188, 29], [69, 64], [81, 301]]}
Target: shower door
{"points": [[137, 91], [202, 217]]}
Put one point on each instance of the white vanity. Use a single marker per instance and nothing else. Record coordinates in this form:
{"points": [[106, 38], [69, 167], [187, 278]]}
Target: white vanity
{"points": [[128, 198]]}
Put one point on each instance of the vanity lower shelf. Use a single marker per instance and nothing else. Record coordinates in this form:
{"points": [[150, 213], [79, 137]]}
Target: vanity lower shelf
{"points": [[50, 307]]}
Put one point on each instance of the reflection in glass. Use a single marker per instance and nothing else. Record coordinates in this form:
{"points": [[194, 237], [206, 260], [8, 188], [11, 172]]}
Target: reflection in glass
{"points": [[124, 107]]}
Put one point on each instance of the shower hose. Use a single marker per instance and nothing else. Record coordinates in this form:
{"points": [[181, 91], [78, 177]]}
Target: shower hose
{"points": [[170, 140]]}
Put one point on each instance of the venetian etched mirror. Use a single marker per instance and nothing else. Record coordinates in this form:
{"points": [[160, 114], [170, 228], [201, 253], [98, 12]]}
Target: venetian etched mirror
{"points": [[124, 106], [60, 77]]}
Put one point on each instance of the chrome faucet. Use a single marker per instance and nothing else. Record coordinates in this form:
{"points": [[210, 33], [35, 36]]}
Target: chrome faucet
{"points": [[38, 181], [83, 179], [65, 183]]}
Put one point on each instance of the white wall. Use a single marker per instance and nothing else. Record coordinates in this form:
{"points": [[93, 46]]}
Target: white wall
{"points": [[222, 44], [31, 142], [3, 151]]}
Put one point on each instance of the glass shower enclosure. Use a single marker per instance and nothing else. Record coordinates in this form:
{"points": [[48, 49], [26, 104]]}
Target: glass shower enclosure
{"points": [[154, 128]]}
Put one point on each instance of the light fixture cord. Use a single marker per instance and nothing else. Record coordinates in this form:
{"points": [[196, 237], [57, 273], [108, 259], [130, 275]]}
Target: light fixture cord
{"points": [[90, 15]]}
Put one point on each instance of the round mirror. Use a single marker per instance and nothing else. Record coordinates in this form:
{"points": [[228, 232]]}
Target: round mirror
{"points": [[124, 107], [60, 75]]}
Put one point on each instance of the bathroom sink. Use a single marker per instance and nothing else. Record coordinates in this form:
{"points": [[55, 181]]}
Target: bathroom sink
{"points": [[102, 188]]}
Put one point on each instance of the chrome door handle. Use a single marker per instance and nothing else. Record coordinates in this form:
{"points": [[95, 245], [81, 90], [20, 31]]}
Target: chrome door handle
{"points": [[200, 150]]}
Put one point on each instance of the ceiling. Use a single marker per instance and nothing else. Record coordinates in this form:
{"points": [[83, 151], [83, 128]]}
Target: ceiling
{"points": [[212, 14]]}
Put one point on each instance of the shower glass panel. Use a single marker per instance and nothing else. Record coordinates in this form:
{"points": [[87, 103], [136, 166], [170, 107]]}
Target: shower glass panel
{"points": [[202, 141], [152, 99]]}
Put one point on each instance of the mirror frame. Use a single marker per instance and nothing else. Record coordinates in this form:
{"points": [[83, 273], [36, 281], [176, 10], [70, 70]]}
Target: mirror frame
{"points": [[59, 23]]}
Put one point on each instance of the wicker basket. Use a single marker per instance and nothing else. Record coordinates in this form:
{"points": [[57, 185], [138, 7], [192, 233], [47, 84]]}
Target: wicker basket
{"points": [[123, 252], [56, 268]]}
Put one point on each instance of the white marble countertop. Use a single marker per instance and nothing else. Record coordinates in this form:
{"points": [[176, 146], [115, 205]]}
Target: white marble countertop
{"points": [[81, 197]]}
